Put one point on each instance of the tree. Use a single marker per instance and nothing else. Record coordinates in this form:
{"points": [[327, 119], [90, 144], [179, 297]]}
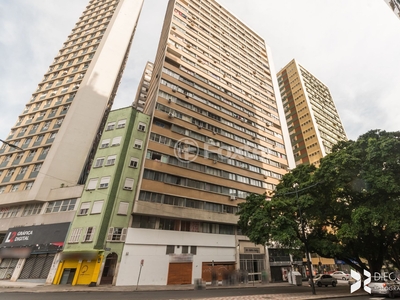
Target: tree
{"points": [[349, 205]]}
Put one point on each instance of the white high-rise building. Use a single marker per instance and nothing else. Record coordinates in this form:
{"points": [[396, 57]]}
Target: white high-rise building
{"points": [[48, 152]]}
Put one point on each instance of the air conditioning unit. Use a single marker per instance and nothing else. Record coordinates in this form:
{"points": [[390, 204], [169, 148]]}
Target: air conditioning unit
{"points": [[253, 137], [65, 72], [169, 100], [214, 161], [170, 115], [174, 89], [232, 198], [198, 126]]}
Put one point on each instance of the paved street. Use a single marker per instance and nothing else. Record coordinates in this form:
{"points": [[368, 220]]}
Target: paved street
{"points": [[245, 292]]}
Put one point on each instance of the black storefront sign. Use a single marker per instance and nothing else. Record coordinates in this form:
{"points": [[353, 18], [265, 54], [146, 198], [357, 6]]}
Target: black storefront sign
{"points": [[20, 242]]}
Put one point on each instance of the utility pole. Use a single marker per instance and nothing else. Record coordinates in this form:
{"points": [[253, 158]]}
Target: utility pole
{"points": [[296, 186]]}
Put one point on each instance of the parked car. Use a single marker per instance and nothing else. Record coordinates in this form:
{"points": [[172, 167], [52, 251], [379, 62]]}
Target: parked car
{"points": [[340, 275], [384, 288], [324, 279]]}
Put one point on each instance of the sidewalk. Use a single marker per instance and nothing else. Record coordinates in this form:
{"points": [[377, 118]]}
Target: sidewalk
{"points": [[15, 287]]}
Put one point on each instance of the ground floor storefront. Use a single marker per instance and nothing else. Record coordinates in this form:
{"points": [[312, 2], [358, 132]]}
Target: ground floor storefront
{"points": [[31, 253]]}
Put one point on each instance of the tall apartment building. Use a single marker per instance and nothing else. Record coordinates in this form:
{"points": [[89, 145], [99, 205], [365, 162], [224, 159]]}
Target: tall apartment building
{"points": [[216, 136], [312, 118], [57, 133], [143, 87]]}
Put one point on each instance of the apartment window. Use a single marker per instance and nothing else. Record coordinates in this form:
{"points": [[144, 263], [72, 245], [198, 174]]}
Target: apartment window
{"points": [[84, 209], [19, 155], [27, 141], [10, 172], [53, 135], [75, 235], [46, 126], [142, 126], [37, 167], [15, 187], [121, 123], [99, 162], [134, 162], [92, 184], [111, 160], [123, 208], [2, 189], [185, 249], [23, 170], [39, 138], [128, 185], [105, 143], [32, 209], [59, 121], [64, 89], [89, 234], [61, 205], [97, 207], [138, 144], [32, 153], [116, 141], [45, 151], [28, 185], [170, 249], [104, 181], [193, 250], [110, 126], [116, 234]]}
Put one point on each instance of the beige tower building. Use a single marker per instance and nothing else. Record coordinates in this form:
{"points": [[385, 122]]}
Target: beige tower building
{"points": [[313, 121], [56, 135], [216, 137]]}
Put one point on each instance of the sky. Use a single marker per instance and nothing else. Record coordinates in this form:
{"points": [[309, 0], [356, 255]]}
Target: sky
{"points": [[351, 46]]}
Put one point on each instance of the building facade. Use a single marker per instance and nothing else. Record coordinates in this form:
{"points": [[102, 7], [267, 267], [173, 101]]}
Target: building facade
{"points": [[93, 247], [48, 153], [143, 87], [313, 121], [395, 6], [216, 136]]}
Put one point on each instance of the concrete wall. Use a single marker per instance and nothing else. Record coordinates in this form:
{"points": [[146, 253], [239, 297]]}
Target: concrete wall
{"points": [[150, 245]]}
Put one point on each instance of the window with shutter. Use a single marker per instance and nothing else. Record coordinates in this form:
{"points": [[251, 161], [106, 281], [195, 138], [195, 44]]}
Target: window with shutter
{"points": [[138, 144], [116, 141], [75, 235], [92, 184], [128, 185], [111, 160], [123, 208], [123, 234], [97, 207], [84, 209], [104, 181], [110, 233], [121, 123], [88, 236], [134, 162]]}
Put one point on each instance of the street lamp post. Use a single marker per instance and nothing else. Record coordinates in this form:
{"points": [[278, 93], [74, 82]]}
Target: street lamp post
{"points": [[296, 186]]}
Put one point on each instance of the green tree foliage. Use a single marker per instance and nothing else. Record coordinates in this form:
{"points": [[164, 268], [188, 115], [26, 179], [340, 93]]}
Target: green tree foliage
{"points": [[350, 205]]}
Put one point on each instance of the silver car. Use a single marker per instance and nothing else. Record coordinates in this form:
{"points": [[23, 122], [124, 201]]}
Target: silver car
{"points": [[384, 288], [341, 275], [324, 279]]}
